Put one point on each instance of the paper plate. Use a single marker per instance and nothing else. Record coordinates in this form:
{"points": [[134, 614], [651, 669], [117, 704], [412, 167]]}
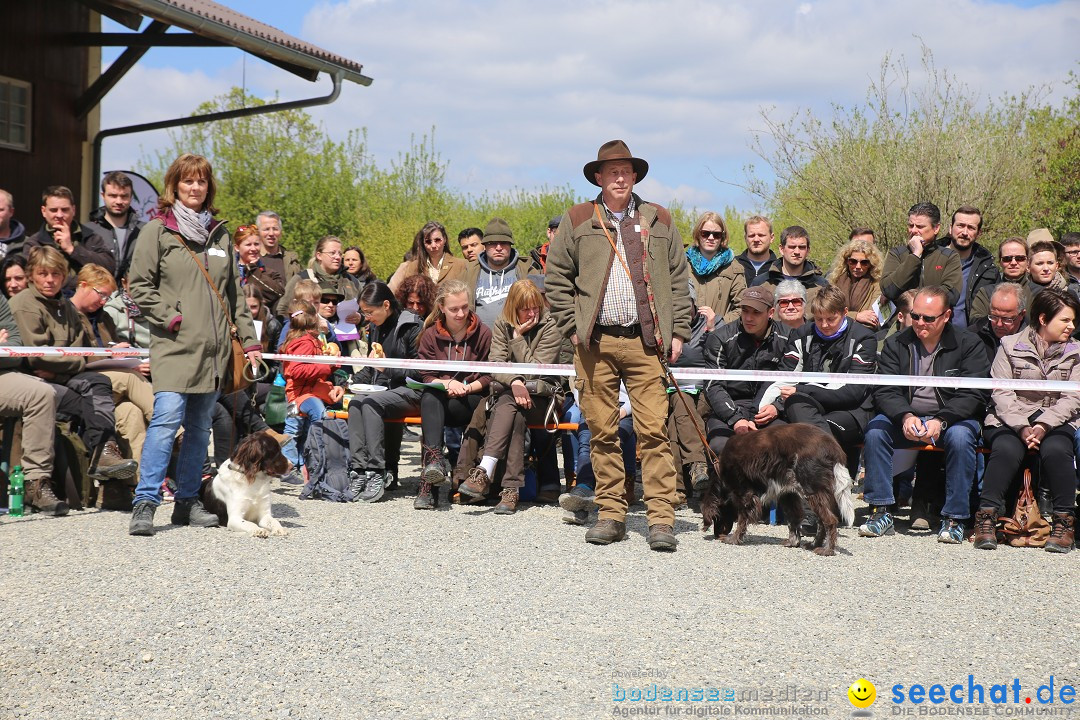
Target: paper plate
{"points": [[362, 388]]}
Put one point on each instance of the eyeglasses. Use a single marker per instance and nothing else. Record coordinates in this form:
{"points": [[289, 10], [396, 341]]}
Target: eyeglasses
{"points": [[335, 253], [1073, 252], [784, 302], [925, 318], [103, 295], [712, 234], [434, 240], [1004, 319], [858, 263], [1006, 259], [328, 300]]}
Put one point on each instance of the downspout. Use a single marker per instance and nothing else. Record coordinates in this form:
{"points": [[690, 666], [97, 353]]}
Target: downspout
{"points": [[210, 117]]}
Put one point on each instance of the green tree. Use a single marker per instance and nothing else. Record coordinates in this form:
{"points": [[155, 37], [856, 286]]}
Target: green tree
{"points": [[1058, 175], [281, 161], [867, 164]]}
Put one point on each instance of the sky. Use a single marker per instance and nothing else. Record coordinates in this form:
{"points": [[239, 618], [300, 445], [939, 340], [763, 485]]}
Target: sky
{"points": [[522, 94]]}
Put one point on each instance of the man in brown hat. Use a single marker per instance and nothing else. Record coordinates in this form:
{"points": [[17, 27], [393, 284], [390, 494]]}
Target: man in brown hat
{"points": [[621, 312], [496, 268]]}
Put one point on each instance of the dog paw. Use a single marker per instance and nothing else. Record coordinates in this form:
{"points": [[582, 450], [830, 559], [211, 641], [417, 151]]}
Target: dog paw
{"points": [[730, 540], [260, 533], [791, 543], [279, 531], [824, 551]]}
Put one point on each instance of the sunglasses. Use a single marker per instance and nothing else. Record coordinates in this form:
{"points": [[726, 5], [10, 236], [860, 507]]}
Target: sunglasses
{"points": [[1005, 259], [712, 234], [917, 317], [784, 302], [328, 300], [858, 263]]}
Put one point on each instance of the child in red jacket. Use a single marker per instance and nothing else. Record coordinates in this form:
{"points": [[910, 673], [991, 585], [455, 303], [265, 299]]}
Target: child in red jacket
{"points": [[307, 387]]}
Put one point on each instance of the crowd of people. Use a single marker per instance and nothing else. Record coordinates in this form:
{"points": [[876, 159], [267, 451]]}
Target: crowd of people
{"points": [[614, 291]]}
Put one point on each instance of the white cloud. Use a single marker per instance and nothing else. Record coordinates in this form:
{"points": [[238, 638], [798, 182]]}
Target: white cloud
{"points": [[522, 94]]}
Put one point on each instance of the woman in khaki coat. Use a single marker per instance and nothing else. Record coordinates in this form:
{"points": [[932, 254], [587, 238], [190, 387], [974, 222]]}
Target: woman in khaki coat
{"points": [[1023, 420], [524, 333], [190, 347], [718, 280], [431, 256], [857, 273]]}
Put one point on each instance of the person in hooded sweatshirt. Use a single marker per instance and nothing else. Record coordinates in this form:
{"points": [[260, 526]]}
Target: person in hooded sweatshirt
{"points": [[496, 268]]}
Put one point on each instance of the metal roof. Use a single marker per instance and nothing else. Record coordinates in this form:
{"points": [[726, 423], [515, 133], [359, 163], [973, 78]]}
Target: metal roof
{"points": [[213, 20]]}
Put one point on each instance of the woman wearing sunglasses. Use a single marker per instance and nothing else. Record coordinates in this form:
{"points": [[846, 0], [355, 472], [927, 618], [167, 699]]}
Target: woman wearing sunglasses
{"points": [[857, 273], [718, 280]]}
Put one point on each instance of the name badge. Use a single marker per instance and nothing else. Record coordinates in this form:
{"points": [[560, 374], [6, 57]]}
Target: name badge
{"points": [[216, 252], [637, 228]]}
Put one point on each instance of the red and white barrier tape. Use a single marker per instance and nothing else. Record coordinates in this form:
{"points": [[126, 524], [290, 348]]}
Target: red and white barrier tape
{"points": [[568, 370]]}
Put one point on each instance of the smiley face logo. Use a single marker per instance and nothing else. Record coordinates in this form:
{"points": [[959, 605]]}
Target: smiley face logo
{"points": [[862, 693]]}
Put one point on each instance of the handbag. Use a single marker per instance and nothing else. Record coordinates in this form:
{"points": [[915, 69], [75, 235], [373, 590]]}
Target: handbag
{"points": [[1026, 527], [236, 377]]}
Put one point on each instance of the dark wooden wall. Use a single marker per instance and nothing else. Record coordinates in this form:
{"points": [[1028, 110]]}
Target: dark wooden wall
{"points": [[34, 52]]}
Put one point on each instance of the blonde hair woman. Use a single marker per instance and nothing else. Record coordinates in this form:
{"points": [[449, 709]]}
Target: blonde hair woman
{"points": [[857, 273]]}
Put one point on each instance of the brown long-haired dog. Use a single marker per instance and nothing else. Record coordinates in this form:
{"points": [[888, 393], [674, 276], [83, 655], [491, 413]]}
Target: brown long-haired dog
{"points": [[786, 464], [240, 492]]}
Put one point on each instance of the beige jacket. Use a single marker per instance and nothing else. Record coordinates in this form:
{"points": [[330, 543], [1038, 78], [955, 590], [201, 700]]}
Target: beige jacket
{"points": [[1019, 358]]}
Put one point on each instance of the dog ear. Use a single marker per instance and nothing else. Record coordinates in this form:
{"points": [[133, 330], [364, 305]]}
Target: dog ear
{"points": [[251, 454]]}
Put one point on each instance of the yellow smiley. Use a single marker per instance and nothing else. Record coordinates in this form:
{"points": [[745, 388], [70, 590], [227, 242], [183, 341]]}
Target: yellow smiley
{"points": [[862, 693]]}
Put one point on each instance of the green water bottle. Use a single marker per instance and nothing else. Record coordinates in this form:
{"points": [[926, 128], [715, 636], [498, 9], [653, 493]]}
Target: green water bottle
{"points": [[16, 490]]}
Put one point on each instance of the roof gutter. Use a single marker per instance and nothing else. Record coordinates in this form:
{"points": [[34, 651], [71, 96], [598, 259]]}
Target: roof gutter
{"points": [[209, 117]]}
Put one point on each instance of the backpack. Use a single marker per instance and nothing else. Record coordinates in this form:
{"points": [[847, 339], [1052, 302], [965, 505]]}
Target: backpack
{"points": [[326, 455]]}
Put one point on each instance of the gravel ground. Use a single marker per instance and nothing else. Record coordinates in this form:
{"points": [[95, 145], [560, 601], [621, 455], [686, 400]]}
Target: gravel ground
{"points": [[379, 611]]}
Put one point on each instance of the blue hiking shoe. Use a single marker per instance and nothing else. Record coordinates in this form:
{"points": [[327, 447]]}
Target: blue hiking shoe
{"points": [[951, 532], [880, 523]]}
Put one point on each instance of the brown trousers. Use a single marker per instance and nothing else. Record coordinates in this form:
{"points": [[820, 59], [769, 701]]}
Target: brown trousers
{"points": [[507, 422], [600, 366]]}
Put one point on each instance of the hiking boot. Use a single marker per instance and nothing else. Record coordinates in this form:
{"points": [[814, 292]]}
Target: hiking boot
{"points": [[605, 532], [952, 531], [986, 529], [40, 497], [680, 501], [548, 495], [476, 485], [111, 465], [662, 538], [142, 519], [435, 466], [357, 482], [425, 500], [508, 502], [580, 497], [699, 476], [281, 438], [920, 515], [1062, 527], [880, 523], [374, 488], [577, 517], [190, 511]]}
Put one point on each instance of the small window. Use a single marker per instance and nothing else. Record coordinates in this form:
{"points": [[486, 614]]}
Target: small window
{"points": [[14, 114]]}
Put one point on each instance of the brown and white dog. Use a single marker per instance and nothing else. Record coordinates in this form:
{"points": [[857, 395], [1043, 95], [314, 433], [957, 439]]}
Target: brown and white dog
{"points": [[785, 464], [240, 492]]}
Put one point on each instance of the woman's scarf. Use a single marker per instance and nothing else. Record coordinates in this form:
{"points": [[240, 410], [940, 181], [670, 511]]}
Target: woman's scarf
{"points": [[194, 226], [857, 292], [703, 267]]}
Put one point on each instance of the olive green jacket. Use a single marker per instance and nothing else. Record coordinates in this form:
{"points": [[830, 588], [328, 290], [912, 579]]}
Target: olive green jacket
{"points": [[50, 322], [542, 344], [190, 348], [580, 258]]}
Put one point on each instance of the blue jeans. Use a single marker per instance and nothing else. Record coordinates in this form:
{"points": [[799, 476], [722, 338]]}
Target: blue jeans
{"points": [[171, 410], [959, 442], [312, 410]]}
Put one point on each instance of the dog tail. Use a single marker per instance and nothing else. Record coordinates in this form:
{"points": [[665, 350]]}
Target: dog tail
{"points": [[842, 488]]}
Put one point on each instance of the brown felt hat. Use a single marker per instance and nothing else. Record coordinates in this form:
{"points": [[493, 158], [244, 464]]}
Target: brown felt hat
{"points": [[614, 150], [498, 230]]}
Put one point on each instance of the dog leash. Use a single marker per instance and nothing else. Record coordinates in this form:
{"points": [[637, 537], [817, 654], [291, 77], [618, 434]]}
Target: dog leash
{"points": [[661, 351]]}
